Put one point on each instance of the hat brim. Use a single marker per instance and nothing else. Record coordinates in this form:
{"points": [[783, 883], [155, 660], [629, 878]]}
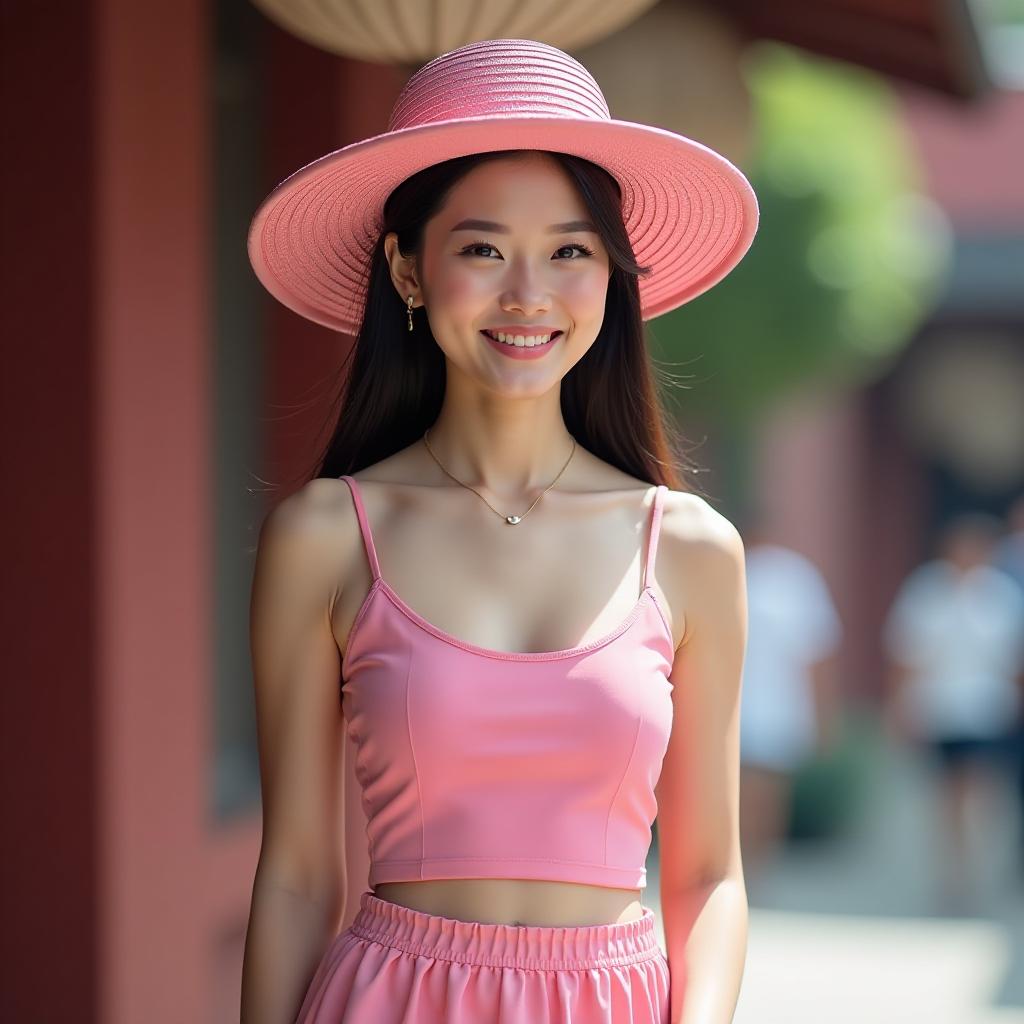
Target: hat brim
{"points": [[690, 214]]}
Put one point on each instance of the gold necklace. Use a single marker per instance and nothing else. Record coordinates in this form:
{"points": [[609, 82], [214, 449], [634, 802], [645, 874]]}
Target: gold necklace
{"points": [[511, 520]]}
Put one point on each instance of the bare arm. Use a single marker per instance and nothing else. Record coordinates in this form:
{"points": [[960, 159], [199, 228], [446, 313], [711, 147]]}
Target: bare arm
{"points": [[357, 850], [297, 897], [703, 896]]}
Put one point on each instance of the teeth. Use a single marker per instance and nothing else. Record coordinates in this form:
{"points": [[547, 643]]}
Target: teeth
{"points": [[519, 340]]}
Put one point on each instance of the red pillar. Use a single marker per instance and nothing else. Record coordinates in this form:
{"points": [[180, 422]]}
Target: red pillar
{"points": [[108, 505], [47, 463], [125, 901], [152, 504]]}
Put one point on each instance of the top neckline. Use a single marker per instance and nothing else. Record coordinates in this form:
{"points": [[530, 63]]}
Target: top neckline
{"points": [[382, 585], [491, 652]]}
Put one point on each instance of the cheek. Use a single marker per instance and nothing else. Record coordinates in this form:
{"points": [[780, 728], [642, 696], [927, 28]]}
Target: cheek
{"points": [[586, 293], [457, 287]]}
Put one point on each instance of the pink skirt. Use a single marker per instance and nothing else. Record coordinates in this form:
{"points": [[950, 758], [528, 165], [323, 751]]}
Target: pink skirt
{"points": [[394, 965]]}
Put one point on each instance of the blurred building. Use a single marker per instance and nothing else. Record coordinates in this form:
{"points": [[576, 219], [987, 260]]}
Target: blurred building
{"points": [[862, 480]]}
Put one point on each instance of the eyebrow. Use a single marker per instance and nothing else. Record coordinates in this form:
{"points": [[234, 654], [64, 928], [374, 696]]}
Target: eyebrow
{"points": [[504, 229]]}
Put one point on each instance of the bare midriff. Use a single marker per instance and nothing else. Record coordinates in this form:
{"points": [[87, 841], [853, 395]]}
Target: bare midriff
{"points": [[516, 901]]}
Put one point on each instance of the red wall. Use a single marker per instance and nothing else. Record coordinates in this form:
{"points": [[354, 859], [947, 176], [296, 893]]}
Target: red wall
{"points": [[47, 460], [125, 902]]}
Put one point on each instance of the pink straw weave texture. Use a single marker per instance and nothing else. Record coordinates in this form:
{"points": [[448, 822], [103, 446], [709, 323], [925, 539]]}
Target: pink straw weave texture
{"points": [[690, 214]]}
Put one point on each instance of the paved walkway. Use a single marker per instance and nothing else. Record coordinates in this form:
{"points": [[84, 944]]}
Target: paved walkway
{"points": [[848, 932]]}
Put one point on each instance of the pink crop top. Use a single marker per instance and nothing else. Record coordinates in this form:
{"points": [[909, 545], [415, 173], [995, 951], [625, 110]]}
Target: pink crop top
{"points": [[477, 763]]}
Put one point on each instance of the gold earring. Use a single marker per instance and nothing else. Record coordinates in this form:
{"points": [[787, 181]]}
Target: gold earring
{"points": [[409, 301]]}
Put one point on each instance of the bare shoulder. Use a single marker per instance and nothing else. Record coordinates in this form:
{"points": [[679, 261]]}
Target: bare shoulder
{"points": [[313, 514], [313, 532], [702, 559], [690, 522]]}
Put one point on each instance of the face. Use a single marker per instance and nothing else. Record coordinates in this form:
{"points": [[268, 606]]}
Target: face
{"points": [[968, 548], [529, 272]]}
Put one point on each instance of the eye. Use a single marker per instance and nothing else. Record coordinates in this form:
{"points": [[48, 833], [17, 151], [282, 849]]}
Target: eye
{"points": [[578, 245], [470, 250]]}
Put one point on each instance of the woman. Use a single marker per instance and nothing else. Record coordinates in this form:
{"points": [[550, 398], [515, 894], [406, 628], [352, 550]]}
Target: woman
{"points": [[514, 696]]}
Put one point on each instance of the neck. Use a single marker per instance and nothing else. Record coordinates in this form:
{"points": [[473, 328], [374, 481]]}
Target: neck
{"points": [[505, 464]]}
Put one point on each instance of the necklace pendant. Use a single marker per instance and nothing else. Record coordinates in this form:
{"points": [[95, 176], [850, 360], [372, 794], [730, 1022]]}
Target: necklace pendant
{"points": [[513, 519]]}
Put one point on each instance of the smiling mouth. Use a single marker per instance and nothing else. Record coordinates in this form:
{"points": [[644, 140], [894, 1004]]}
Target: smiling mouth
{"points": [[530, 343]]}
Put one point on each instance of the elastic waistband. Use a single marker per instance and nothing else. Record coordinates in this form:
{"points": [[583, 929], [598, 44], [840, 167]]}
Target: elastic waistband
{"points": [[533, 947]]}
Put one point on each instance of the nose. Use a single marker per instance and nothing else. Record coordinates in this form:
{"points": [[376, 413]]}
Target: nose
{"points": [[527, 292]]}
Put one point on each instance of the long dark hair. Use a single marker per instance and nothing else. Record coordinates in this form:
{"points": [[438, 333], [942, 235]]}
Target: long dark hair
{"points": [[395, 381]]}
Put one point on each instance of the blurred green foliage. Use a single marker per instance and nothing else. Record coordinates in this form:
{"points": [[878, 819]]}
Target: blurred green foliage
{"points": [[1002, 12], [832, 790], [848, 257]]}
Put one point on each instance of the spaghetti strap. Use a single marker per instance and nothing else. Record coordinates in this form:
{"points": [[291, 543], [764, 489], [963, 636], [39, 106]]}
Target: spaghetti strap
{"points": [[364, 525], [652, 543]]}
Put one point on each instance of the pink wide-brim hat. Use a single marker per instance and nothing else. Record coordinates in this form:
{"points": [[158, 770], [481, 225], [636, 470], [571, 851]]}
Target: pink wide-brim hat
{"points": [[689, 213]]}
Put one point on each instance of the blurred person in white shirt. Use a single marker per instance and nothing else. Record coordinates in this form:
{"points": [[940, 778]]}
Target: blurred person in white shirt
{"points": [[788, 704], [1009, 551], [955, 639], [1009, 557]]}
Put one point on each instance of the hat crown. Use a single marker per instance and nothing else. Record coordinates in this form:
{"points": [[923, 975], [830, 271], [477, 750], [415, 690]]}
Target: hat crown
{"points": [[499, 78]]}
